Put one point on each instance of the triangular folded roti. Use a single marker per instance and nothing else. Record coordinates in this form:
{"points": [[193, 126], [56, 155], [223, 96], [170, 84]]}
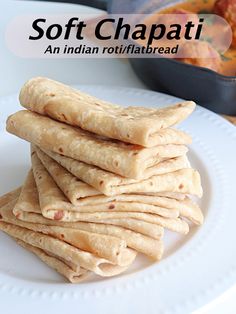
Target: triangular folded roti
{"points": [[132, 231], [66, 251], [105, 246], [28, 200], [121, 158], [138, 125], [172, 195], [82, 195], [54, 204], [145, 228], [31, 201], [173, 224], [62, 267], [182, 181], [52, 176], [104, 237], [6, 198], [110, 183]]}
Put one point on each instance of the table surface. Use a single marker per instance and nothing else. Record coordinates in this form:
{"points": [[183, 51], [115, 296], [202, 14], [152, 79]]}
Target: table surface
{"points": [[15, 71]]}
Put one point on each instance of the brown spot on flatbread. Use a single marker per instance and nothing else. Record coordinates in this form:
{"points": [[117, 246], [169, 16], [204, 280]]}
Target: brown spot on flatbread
{"points": [[0, 216], [116, 163], [62, 235], [17, 215], [151, 183], [136, 147], [134, 154], [40, 177], [59, 215], [112, 206], [101, 182], [60, 150], [65, 118], [32, 154], [181, 186], [51, 95]]}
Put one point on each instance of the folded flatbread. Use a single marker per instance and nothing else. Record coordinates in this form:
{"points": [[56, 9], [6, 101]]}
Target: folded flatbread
{"points": [[109, 247], [54, 179], [62, 267], [100, 239], [149, 229], [66, 251], [27, 200], [183, 181], [31, 201], [64, 215], [110, 183], [137, 125], [6, 198], [86, 199], [121, 158], [173, 224], [138, 235], [55, 206], [174, 195]]}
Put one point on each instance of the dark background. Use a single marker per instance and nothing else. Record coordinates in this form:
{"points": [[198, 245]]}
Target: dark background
{"points": [[100, 4]]}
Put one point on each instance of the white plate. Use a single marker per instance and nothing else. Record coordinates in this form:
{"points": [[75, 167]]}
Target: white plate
{"points": [[195, 268]]}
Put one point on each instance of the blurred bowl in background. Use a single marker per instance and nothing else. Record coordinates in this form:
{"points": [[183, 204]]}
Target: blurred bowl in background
{"points": [[208, 88]]}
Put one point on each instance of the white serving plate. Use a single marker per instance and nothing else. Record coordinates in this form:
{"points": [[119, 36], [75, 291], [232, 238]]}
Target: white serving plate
{"points": [[195, 269]]}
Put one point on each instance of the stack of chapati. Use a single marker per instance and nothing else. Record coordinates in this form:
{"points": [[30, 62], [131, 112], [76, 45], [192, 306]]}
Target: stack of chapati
{"points": [[105, 180]]}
